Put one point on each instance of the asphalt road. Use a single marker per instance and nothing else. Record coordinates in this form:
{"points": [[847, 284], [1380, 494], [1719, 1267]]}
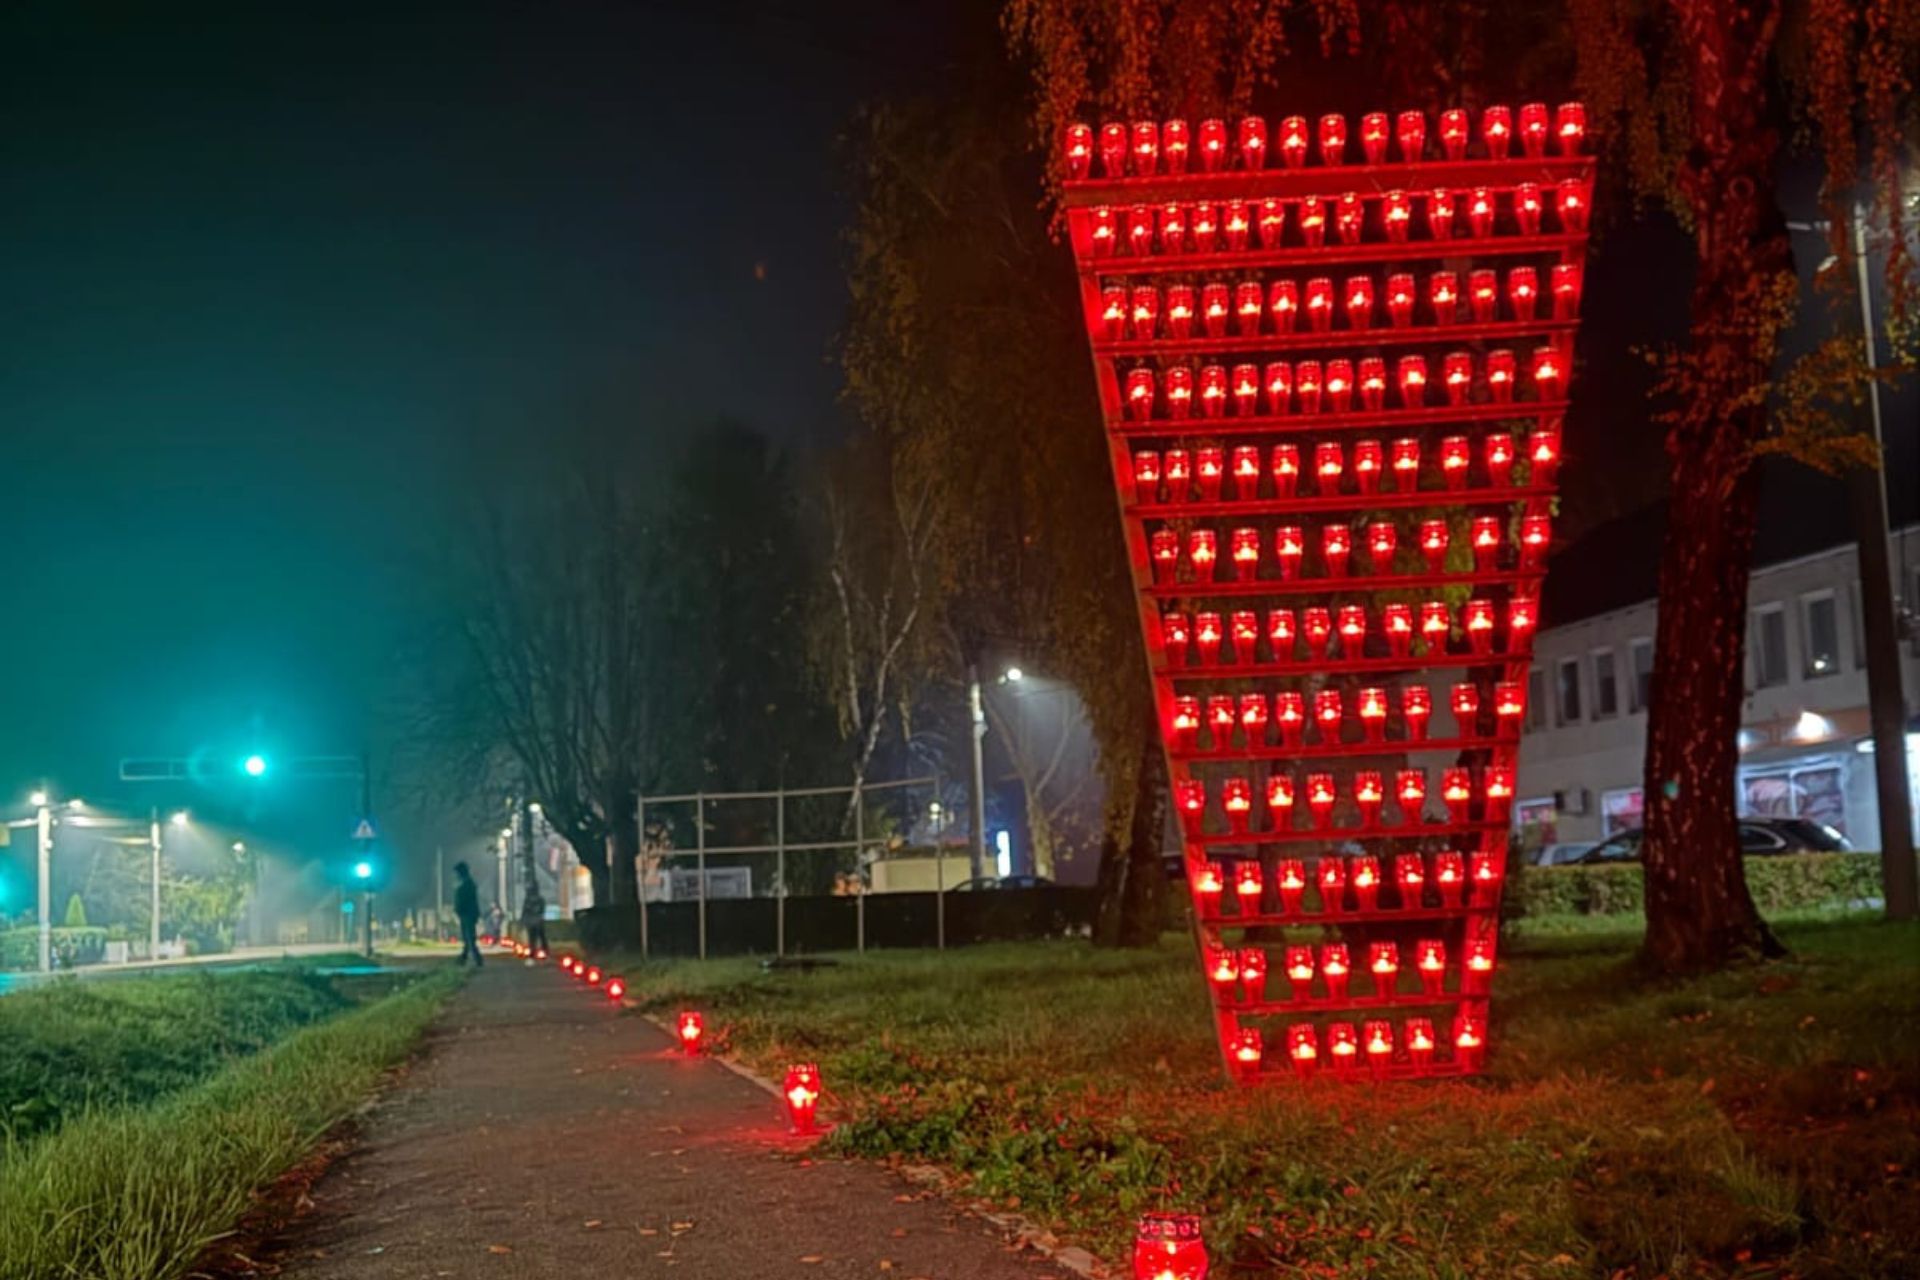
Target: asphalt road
{"points": [[548, 1134]]}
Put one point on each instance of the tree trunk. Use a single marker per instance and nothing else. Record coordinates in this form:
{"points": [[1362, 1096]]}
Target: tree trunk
{"points": [[623, 876], [1700, 914], [1143, 896]]}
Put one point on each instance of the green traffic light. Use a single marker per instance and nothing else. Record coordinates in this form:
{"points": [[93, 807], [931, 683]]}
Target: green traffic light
{"points": [[363, 870], [254, 766]]}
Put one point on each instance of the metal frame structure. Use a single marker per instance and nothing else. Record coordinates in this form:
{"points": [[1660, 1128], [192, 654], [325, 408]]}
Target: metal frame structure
{"points": [[1186, 275]]}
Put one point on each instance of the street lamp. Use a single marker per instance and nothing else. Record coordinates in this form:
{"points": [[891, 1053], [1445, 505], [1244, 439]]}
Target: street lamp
{"points": [[254, 766], [38, 799], [1013, 676], [180, 818]]}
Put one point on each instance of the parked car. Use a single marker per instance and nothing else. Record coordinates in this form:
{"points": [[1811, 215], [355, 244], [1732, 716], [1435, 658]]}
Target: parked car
{"points": [[979, 883], [1758, 836], [1555, 855]]}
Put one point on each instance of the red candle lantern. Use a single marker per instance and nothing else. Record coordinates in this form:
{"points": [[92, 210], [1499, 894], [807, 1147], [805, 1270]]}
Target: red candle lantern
{"points": [[1434, 538], [1378, 1041], [1570, 127], [1234, 224], [1435, 625], [1369, 793], [1190, 798], [1373, 713], [1382, 541], [1334, 966], [1186, 720], [1113, 313], [1480, 210], [1208, 885], [1213, 145], [1522, 617], [1292, 875], [1249, 300], [1236, 799], [1410, 875], [1280, 634], [1477, 618], [1498, 450], [1440, 204], [1303, 1049], [1246, 1052], [1416, 709], [1101, 232], [1206, 635], [1527, 207], [1113, 150], [1203, 551], [1523, 292], [1543, 455], [593, 975], [802, 1090], [1548, 384], [1213, 393], [1534, 129], [1373, 392], [1246, 403], [1179, 311], [1509, 705], [1319, 304], [1410, 129], [1500, 376], [1320, 797], [1453, 134], [1253, 142], [1339, 385], [1331, 874], [1359, 302], [1146, 147], [1270, 223], [1456, 789], [1336, 544], [1499, 792], [1290, 713], [1410, 793], [1246, 468], [1469, 1040], [1349, 218], [1536, 535], [1457, 374], [1253, 974], [691, 1028], [1209, 468], [1306, 385], [1365, 879], [1283, 301], [567, 963], [1278, 382], [1396, 212], [1220, 719], [1223, 969], [1496, 128], [1327, 715], [1374, 136], [1383, 962], [1483, 871], [1353, 630], [1079, 151], [1300, 971], [1214, 309], [1477, 967], [1430, 960], [1289, 545], [1419, 1040], [1313, 222], [1174, 144], [1203, 227], [1328, 462], [1146, 477], [1400, 296], [1406, 450], [616, 990], [1246, 633], [1140, 230], [1483, 295], [1397, 621], [1565, 283], [1333, 139], [1486, 543], [1179, 381], [1450, 876], [1140, 394], [1174, 632], [1173, 236], [1280, 802], [1444, 293]]}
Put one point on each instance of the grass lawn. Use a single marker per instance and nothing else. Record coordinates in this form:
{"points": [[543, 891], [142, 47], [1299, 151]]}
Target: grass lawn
{"points": [[1761, 1123]]}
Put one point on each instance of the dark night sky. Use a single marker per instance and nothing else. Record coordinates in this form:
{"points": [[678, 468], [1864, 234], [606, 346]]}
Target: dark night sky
{"points": [[275, 280]]}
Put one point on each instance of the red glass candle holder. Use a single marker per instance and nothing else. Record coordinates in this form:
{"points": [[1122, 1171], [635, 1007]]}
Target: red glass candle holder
{"points": [[1405, 459], [1410, 794], [1500, 376], [1102, 232], [1410, 131], [1483, 877], [1483, 296], [1320, 799], [1173, 230], [1168, 1246], [801, 1090], [1440, 210], [1280, 634], [1383, 966], [1419, 1042], [1146, 148], [1220, 720], [1457, 375], [1364, 877], [1251, 137], [1179, 387], [1476, 967], [1333, 139], [1077, 149], [1176, 143], [1430, 962], [1163, 548], [1299, 966], [1335, 969], [1486, 543], [1206, 636], [1450, 877], [1480, 212], [1190, 800], [1319, 304], [1328, 463], [1527, 208], [1113, 150], [1253, 712], [1469, 1041], [1543, 455], [1330, 875], [1336, 545], [1570, 127], [1359, 301], [1249, 301], [1443, 295], [1215, 307], [1339, 386], [1349, 218], [1369, 794], [1236, 801], [1436, 625], [1248, 887], [1185, 722], [1383, 540], [1523, 292], [1213, 394], [1306, 386], [1203, 228], [1401, 294], [1522, 617], [1145, 314], [1353, 630], [1456, 790], [1373, 390], [1534, 129], [1396, 215], [1396, 620], [1377, 1040], [1496, 130], [1180, 308], [1209, 469], [1327, 715], [1313, 222], [1146, 477], [1564, 282], [1213, 145], [1291, 876], [1372, 711], [1416, 709], [1374, 136], [1453, 134], [1549, 380], [1303, 1049], [1536, 537], [1246, 1052], [1270, 223], [1509, 705], [691, 1029], [1290, 714], [1280, 801], [1476, 617], [1174, 632], [1244, 466], [1410, 877], [1203, 552], [1434, 540], [1253, 975], [1114, 313], [1223, 971], [1140, 394], [1497, 787], [1289, 545], [1497, 448]]}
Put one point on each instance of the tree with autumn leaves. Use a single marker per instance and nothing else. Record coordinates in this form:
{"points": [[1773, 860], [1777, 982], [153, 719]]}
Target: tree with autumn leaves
{"points": [[1693, 103]]}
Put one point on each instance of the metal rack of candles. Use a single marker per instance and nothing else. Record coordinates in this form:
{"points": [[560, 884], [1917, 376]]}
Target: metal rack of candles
{"points": [[1334, 395]]}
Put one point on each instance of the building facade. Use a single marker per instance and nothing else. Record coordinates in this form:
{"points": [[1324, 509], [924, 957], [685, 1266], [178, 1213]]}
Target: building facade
{"points": [[1804, 747]]}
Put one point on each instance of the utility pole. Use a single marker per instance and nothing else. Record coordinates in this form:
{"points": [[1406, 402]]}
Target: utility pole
{"points": [[153, 907], [1886, 700], [439, 891], [43, 827], [977, 712]]}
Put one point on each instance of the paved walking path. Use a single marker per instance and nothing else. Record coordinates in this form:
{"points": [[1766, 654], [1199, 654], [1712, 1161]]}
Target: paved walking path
{"points": [[547, 1134]]}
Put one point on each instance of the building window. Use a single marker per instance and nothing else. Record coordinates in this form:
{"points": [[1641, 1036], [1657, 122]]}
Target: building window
{"points": [[1569, 691], [1536, 699], [1820, 615], [1621, 810], [1641, 651], [1606, 687], [1769, 646]]}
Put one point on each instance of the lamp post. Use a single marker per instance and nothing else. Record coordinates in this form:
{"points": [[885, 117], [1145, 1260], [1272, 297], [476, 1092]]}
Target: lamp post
{"points": [[43, 828]]}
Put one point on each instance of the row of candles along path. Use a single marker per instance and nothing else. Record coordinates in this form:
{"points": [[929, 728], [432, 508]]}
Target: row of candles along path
{"points": [[1214, 473], [1239, 976], [1367, 790], [1249, 308], [1308, 387], [1202, 550], [1459, 882], [1172, 231], [1248, 713], [1147, 148]]}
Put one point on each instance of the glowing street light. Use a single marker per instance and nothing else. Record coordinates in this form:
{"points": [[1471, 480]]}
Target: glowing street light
{"points": [[254, 766], [180, 818]]}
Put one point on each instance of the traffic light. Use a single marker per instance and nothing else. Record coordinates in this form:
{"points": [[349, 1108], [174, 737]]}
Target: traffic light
{"points": [[255, 765], [363, 870]]}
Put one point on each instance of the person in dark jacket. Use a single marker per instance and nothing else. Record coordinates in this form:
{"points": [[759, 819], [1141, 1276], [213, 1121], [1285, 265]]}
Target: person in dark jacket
{"points": [[533, 914], [466, 908]]}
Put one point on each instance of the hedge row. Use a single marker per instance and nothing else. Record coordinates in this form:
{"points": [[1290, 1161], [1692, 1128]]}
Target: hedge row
{"points": [[1778, 883]]}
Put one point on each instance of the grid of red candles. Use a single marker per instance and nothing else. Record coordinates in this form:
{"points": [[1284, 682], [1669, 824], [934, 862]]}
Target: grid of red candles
{"points": [[1334, 359]]}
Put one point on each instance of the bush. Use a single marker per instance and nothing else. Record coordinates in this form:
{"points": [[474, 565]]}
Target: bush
{"points": [[20, 948], [1778, 884]]}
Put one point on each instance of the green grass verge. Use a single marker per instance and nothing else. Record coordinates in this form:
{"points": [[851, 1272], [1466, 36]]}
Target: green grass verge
{"points": [[139, 1193], [1758, 1123]]}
